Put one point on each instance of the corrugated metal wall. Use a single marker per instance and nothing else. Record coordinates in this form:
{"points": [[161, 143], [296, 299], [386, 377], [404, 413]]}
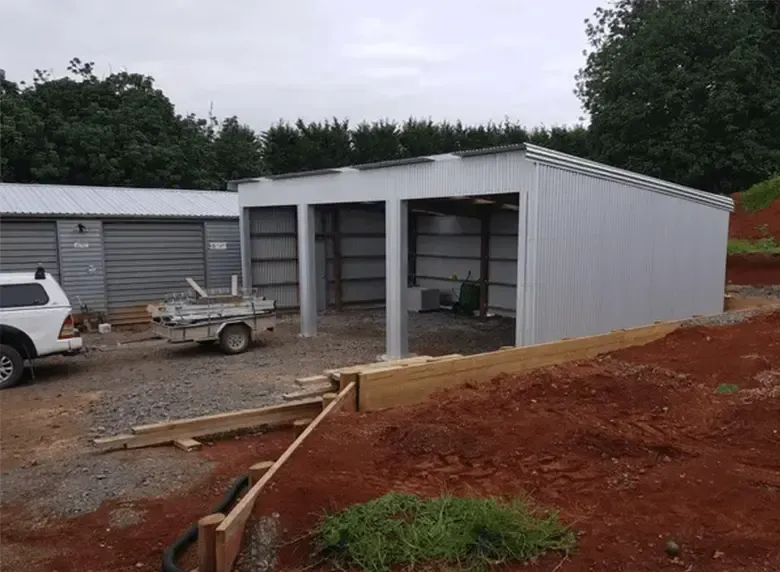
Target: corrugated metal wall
{"points": [[81, 255], [273, 237], [362, 256], [26, 243], [146, 261], [490, 173], [274, 252], [611, 255], [447, 246], [502, 271], [223, 253]]}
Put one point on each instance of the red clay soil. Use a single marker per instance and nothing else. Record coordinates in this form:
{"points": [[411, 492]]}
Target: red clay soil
{"points": [[754, 225], [753, 269], [632, 448], [89, 543]]}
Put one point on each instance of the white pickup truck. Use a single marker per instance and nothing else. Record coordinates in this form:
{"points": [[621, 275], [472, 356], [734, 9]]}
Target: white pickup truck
{"points": [[35, 321]]}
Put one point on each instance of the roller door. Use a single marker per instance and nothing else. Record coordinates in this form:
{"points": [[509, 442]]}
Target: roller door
{"points": [[145, 261], [25, 244]]}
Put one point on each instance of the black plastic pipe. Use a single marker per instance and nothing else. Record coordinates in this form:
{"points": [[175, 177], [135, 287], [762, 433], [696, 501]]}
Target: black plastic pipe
{"points": [[172, 552]]}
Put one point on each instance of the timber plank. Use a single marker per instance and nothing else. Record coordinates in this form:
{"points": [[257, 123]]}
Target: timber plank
{"points": [[391, 387], [212, 424], [231, 530], [197, 422], [187, 444]]}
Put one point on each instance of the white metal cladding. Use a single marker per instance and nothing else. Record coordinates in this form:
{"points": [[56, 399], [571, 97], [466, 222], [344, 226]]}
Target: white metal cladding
{"points": [[24, 244], [535, 154], [612, 255], [223, 252], [447, 246], [146, 261], [362, 255], [443, 176], [34, 199], [274, 254], [502, 268], [81, 254]]}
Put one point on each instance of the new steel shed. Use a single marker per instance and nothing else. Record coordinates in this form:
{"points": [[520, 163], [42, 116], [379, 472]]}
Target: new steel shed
{"points": [[568, 246], [115, 250]]}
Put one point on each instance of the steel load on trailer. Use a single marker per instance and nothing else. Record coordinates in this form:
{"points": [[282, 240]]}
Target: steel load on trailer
{"points": [[231, 319]]}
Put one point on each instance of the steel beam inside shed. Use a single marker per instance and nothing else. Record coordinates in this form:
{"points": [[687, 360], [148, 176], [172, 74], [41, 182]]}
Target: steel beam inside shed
{"points": [[307, 283], [244, 229], [396, 265]]}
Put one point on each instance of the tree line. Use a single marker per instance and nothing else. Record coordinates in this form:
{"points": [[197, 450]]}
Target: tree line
{"points": [[685, 90]]}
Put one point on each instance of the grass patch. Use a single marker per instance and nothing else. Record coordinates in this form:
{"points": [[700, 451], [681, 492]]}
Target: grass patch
{"points": [[761, 195], [726, 389], [407, 531], [767, 245]]}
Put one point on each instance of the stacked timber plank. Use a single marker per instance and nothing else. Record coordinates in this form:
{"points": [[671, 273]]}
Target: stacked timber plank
{"points": [[182, 432], [337, 379]]}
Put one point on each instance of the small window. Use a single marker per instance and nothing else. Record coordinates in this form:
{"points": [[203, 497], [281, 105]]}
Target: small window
{"points": [[22, 295]]}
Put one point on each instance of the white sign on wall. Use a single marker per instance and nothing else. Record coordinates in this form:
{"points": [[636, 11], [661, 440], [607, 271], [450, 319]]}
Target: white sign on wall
{"points": [[217, 245], [80, 245]]}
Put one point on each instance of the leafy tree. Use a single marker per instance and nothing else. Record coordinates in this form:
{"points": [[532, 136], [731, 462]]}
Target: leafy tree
{"points": [[687, 90], [119, 130]]}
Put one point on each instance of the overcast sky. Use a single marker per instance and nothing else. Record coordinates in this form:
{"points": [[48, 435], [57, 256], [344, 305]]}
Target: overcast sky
{"points": [[269, 59]]}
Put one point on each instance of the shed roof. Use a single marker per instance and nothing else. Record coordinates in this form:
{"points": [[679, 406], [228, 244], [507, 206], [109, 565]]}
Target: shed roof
{"points": [[523, 152], [71, 200]]}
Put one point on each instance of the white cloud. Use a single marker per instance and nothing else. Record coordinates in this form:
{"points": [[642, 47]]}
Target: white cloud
{"points": [[320, 58]]}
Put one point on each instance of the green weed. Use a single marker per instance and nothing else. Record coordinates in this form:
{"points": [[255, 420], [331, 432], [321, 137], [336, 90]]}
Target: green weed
{"points": [[761, 195], [465, 533], [767, 245], [726, 389]]}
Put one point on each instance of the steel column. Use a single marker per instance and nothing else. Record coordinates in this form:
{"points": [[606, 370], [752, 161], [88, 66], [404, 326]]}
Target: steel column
{"points": [[396, 264], [244, 229], [307, 283]]}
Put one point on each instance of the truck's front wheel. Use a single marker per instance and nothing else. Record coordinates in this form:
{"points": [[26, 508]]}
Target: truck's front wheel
{"points": [[11, 366], [235, 339]]}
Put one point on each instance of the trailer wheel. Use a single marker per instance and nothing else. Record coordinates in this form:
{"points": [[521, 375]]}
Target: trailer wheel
{"points": [[235, 339]]}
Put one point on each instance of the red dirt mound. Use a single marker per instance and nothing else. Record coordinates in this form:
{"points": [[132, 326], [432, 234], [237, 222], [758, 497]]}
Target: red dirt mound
{"points": [[754, 225], [633, 448], [753, 269]]}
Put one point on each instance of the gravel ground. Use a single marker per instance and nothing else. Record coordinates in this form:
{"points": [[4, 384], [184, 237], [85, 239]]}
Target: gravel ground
{"points": [[724, 319], [81, 484], [259, 553], [770, 291], [126, 379]]}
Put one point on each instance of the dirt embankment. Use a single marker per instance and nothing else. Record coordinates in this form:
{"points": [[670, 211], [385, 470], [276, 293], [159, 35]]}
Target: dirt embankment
{"points": [[754, 225], [754, 269], [633, 448]]}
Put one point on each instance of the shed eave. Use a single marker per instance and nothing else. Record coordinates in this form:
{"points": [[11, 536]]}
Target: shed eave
{"points": [[586, 167]]}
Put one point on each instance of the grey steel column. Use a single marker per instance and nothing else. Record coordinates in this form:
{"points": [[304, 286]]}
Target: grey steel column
{"points": [[246, 249], [307, 285], [396, 262]]}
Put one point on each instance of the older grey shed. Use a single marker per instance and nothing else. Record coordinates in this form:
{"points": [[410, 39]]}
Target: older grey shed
{"points": [[115, 250], [569, 247]]}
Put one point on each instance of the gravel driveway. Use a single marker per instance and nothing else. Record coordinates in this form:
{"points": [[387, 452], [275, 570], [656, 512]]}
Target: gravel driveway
{"points": [[125, 380]]}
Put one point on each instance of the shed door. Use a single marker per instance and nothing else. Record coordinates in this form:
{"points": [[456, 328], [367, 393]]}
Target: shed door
{"points": [[26, 244], [145, 261], [223, 253]]}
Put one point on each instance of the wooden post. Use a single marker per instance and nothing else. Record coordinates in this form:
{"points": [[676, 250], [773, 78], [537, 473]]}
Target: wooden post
{"points": [[257, 470], [338, 293], [327, 398], [484, 264], [300, 426], [207, 542]]}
